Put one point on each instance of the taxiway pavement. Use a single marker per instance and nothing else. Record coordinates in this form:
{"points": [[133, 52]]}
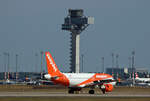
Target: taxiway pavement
{"points": [[62, 94]]}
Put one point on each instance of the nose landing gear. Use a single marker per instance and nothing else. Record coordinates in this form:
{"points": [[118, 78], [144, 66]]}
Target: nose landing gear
{"points": [[103, 88], [71, 91]]}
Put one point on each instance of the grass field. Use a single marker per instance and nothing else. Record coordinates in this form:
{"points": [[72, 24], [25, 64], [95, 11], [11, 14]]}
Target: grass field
{"points": [[72, 99]]}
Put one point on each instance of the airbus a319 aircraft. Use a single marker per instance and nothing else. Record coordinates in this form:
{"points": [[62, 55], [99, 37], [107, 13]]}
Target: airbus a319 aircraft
{"points": [[76, 81], [141, 79]]}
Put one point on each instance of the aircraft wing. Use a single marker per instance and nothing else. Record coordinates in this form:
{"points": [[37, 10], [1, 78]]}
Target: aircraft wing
{"points": [[99, 82]]}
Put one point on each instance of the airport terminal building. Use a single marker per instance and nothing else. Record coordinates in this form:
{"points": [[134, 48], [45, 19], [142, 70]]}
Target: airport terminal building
{"points": [[127, 72]]}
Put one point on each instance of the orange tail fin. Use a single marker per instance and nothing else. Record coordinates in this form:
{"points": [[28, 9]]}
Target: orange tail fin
{"points": [[51, 66]]}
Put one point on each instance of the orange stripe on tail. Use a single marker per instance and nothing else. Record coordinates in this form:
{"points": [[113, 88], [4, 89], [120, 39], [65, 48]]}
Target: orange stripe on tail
{"points": [[51, 66], [54, 71]]}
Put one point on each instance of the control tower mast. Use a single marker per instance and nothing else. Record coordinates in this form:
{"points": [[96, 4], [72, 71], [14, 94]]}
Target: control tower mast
{"points": [[76, 22]]}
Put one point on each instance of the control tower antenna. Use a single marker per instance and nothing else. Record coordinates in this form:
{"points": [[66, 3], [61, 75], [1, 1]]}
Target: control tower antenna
{"points": [[76, 22]]}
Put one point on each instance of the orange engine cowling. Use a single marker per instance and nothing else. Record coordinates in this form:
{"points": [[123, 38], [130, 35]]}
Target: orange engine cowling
{"points": [[108, 87]]}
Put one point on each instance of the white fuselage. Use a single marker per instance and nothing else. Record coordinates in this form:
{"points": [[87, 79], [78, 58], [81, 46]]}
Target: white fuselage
{"points": [[142, 79], [78, 78]]}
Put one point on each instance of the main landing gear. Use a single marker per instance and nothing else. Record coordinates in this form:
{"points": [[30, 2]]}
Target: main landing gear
{"points": [[91, 91], [102, 87], [71, 91], [74, 90]]}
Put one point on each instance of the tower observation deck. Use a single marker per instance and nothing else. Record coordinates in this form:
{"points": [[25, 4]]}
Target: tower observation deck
{"points": [[76, 22]]}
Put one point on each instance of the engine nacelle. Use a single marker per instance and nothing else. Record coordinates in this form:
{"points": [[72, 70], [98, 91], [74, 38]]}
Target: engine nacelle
{"points": [[48, 76], [108, 87]]}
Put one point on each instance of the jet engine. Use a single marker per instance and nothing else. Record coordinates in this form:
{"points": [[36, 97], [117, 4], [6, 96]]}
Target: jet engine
{"points": [[108, 87], [48, 76]]}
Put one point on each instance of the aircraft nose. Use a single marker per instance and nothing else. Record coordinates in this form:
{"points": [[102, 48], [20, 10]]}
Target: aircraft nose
{"points": [[114, 82]]}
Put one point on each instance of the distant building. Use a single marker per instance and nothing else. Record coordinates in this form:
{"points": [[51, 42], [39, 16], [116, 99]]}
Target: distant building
{"points": [[126, 70], [116, 70], [21, 75], [139, 70], [130, 70], [142, 70]]}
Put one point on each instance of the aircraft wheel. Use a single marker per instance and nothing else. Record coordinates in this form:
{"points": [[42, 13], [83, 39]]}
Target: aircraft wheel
{"points": [[71, 91], [91, 91], [103, 88]]}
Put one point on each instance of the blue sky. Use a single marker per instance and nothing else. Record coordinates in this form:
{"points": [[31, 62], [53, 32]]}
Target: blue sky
{"points": [[30, 26]]}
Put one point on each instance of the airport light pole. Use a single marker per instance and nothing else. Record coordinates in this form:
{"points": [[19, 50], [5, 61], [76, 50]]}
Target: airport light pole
{"points": [[130, 62], [0, 62], [133, 66], [8, 65], [36, 65], [103, 65], [17, 66], [112, 64], [117, 64], [117, 61], [130, 66], [82, 57], [42, 64], [5, 68]]}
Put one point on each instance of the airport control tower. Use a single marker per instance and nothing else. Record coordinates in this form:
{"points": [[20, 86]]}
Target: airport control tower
{"points": [[76, 22]]}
